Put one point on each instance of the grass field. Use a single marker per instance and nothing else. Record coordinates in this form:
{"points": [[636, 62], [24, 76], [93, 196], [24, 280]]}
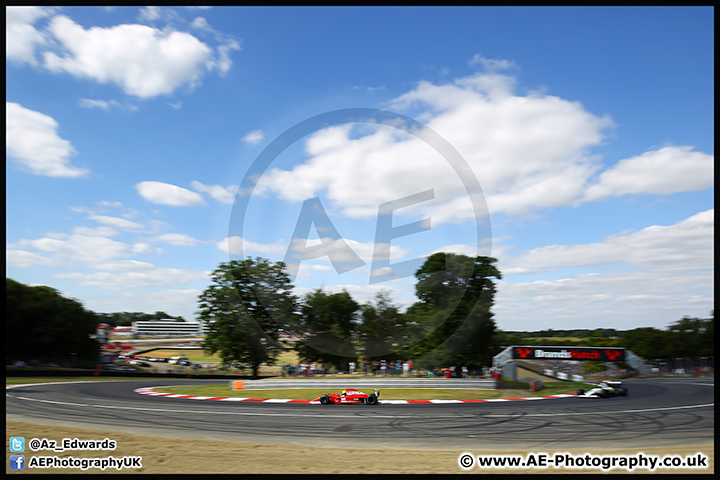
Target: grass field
{"points": [[385, 393], [193, 355], [570, 340], [199, 356], [224, 390]]}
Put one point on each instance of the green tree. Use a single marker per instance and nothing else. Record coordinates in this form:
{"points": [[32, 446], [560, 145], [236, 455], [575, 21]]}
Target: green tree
{"points": [[506, 339], [126, 318], [383, 329], [647, 342], [42, 324], [707, 337], [687, 337], [598, 339], [327, 324], [244, 307], [453, 322]]}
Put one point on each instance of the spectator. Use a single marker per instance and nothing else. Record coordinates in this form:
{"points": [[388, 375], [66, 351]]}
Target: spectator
{"points": [[351, 365]]}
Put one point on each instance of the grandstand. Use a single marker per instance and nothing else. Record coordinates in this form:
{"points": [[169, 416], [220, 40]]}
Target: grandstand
{"points": [[168, 328]]}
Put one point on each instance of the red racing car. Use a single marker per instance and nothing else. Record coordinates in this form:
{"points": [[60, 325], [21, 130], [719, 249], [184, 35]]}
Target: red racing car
{"points": [[350, 395]]}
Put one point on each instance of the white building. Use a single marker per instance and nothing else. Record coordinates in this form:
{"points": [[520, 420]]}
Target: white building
{"points": [[168, 328]]}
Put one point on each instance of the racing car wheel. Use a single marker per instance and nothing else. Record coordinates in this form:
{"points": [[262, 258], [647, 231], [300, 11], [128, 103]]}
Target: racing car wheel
{"points": [[325, 400], [371, 399]]}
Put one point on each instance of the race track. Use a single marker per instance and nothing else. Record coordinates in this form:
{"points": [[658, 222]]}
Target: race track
{"points": [[657, 413]]}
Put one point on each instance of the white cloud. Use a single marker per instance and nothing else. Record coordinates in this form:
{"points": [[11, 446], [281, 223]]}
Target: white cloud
{"points": [[382, 272], [360, 174], [106, 104], [225, 43], [337, 250], [105, 203], [175, 302], [217, 192], [21, 37], [253, 137], [307, 249], [224, 62], [368, 89], [142, 60], [140, 278], [177, 239], [125, 265], [142, 247], [238, 246], [458, 248], [306, 269], [663, 171], [116, 222], [200, 23], [102, 104], [145, 61], [686, 246], [166, 194], [527, 152], [23, 259], [95, 231], [619, 300], [33, 142], [490, 65], [651, 277], [149, 14], [63, 250]]}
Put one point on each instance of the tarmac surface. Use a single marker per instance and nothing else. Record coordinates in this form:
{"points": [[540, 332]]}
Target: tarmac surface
{"points": [[657, 413]]}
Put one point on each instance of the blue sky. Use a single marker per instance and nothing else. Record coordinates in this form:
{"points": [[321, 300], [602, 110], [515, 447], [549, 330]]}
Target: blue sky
{"points": [[133, 139]]}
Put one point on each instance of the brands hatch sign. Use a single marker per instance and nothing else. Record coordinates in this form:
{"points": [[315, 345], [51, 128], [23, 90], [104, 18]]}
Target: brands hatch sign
{"points": [[599, 354]]}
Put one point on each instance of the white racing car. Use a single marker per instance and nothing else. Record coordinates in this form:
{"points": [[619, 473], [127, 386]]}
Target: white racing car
{"points": [[604, 389]]}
